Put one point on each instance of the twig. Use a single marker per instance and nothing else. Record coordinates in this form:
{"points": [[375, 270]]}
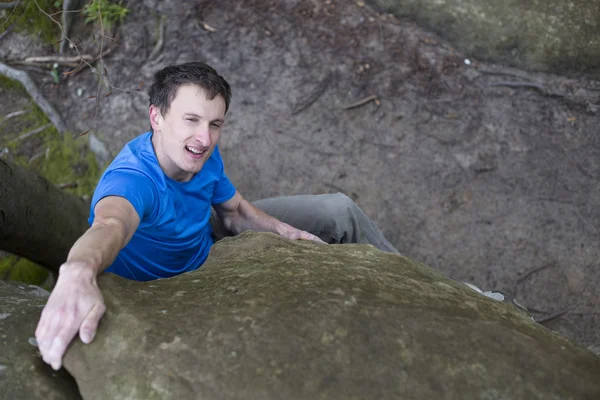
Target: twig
{"points": [[553, 316], [531, 85], [159, 43], [362, 102], [36, 95], [13, 114], [10, 15], [62, 31], [323, 85], [6, 32], [33, 132], [37, 155], [59, 59], [534, 271], [68, 185]]}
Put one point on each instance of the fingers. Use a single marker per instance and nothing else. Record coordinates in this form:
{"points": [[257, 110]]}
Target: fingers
{"points": [[303, 235], [53, 341], [90, 323], [74, 305]]}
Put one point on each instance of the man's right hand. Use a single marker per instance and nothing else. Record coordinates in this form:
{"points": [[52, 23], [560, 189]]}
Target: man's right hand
{"points": [[75, 304]]}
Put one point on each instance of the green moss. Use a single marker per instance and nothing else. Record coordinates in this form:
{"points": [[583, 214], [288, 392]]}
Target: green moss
{"points": [[9, 84], [20, 269], [27, 17], [110, 13]]}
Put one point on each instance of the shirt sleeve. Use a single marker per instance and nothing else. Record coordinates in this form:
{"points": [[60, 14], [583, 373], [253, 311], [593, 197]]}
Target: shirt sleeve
{"points": [[135, 187], [224, 189]]}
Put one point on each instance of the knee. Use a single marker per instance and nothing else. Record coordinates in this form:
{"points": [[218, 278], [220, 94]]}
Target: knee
{"points": [[333, 209], [342, 202]]}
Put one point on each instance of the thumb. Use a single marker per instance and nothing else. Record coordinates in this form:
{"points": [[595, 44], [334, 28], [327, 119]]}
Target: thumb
{"points": [[88, 328]]}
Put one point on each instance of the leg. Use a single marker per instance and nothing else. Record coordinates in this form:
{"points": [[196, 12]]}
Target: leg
{"points": [[335, 218]]}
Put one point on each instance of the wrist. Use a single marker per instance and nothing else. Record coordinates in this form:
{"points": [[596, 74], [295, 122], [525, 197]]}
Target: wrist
{"points": [[284, 229], [78, 269]]}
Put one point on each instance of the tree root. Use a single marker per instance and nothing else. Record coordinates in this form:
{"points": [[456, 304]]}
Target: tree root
{"points": [[39, 99]]}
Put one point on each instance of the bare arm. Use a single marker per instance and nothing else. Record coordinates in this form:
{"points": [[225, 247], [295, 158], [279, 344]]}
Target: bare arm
{"points": [[238, 215], [76, 303]]}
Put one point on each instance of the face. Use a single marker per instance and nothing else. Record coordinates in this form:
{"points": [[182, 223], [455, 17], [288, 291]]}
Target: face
{"points": [[185, 137]]}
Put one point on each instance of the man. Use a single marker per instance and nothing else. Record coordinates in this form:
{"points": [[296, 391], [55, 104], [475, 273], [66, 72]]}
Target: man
{"points": [[151, 211]]}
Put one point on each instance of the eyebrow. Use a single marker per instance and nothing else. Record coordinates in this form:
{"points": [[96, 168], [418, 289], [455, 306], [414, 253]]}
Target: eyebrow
{"points": [[191, 114]]}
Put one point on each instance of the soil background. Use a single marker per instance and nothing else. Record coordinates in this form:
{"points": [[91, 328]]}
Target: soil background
{"points": [[486, 173]]}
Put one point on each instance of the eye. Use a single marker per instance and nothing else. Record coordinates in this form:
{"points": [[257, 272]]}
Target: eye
{"points": [[216, 125], [192, 120]]}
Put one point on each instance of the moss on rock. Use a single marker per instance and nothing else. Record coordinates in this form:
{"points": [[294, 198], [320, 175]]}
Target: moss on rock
{"points": [[545, 35], [62, 159]]}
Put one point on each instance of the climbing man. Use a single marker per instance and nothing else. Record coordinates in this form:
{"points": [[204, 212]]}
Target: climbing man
{"points": [[165, 199]]}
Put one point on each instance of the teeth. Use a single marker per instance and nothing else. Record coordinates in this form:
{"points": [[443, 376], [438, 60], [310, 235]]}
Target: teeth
{"points": [[193, 150]]}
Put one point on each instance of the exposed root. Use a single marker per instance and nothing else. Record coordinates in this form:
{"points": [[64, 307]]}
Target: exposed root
{"points": [[36, 95]]}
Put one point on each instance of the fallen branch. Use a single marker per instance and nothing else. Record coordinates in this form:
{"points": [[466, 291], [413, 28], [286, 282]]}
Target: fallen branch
{"points": [[362, 102], [36, 95]]}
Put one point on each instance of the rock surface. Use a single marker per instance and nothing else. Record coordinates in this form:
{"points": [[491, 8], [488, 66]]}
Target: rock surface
{"points": [[23, 374], [268, 318], [545, 35]]}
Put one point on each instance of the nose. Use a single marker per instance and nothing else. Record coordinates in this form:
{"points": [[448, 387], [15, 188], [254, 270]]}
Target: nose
{"points": [[202, 135]]}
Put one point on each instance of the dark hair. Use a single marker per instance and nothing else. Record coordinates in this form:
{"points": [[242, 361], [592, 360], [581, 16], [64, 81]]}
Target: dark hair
{"points": [[169, 79]]}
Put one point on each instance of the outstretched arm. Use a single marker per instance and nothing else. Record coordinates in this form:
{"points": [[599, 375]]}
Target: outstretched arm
{"points": [[238, 215], [76, 303]]}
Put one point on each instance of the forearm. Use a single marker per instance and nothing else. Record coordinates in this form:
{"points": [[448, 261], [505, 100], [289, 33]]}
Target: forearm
{"points": [[97, 248], [248, 217]]}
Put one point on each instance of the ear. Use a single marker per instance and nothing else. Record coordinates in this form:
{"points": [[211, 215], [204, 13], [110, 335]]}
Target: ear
{"points": [[155, 117]]}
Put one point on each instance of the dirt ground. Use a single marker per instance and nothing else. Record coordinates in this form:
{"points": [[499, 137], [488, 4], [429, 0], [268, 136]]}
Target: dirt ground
{"points": [[487, 173]]}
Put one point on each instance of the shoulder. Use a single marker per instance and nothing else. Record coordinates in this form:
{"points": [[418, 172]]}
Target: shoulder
{"points": [[137, 162]]}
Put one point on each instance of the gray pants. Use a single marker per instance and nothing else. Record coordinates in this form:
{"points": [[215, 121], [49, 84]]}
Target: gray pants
{"points": [[335, 218]]}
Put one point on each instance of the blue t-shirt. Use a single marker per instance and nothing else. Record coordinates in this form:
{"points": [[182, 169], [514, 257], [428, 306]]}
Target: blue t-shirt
{"points": [[174, 235]]}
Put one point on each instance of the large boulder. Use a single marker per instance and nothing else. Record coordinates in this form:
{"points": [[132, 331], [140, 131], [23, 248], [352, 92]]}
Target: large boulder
{"points": [[268, 318], [23, 374], [546, 35]]}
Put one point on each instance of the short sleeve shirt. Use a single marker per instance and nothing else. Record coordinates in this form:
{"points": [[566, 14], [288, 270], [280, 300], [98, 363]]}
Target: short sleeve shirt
{"points": [[174, 235]]}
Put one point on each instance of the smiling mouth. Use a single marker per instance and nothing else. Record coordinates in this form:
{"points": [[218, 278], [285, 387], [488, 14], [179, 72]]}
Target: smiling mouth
{"points": [[196, 151]]}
